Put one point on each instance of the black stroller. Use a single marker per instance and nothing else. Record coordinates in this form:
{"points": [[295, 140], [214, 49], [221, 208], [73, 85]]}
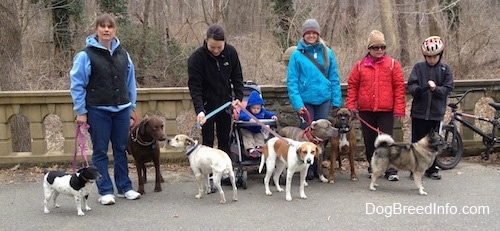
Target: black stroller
{"points": [[239, 155]]}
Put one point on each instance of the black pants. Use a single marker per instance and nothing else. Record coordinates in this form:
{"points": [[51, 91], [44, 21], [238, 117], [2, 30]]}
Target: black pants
{"points": [[419, 129], [383, 121], [221, 125]]}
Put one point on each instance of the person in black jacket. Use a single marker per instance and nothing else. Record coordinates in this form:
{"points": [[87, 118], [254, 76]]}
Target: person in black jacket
{"points": [[215, 78], [430, 83]]}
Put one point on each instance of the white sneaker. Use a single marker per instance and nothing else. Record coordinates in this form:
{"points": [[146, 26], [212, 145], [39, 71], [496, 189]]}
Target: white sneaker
{"points": [[107, 199], [130, 194]]}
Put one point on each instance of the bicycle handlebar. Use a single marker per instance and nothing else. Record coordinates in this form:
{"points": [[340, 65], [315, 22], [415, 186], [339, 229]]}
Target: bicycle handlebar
{"points": [[462, 96]]}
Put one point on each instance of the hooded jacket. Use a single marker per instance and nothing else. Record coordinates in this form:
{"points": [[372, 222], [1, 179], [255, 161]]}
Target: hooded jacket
{"points": [[306, 83], [81, 72], [427, 104], [213, 79], [255, 99]]}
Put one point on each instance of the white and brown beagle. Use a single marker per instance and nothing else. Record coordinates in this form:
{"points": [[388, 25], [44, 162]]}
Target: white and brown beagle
{"points": [[281, 153]]}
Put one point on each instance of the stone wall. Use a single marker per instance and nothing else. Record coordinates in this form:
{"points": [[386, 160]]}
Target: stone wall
{"points": [[46, 118]]}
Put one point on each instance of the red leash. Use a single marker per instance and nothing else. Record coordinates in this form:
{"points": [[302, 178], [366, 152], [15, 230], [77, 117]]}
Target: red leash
{"points": [[80, 142], [368, 125]]}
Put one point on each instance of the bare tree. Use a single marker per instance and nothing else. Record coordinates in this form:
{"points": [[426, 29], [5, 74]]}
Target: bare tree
{"points": [[432, 5], [404, 54], [11, 62], [388, 24]]}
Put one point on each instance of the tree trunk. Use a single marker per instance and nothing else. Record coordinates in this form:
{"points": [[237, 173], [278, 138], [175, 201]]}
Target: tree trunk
{"points": [[432, 6], [388, 25], [418, 19], [11, 62], [403, 34], [144, 37]]}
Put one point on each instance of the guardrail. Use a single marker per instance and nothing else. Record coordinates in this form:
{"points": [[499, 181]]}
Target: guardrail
{"points": [[38, 126]]}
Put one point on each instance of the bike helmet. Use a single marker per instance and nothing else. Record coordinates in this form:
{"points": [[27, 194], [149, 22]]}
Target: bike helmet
{"points": [[432, 46]]}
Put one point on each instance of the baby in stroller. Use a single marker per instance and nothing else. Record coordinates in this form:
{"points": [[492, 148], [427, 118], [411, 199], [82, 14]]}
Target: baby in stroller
{"points": [[253, 136]]}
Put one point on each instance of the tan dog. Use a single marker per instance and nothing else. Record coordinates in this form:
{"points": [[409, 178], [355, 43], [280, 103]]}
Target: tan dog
{"points": [[319, 131], [344, 143], [295, 156], [205, 160]]}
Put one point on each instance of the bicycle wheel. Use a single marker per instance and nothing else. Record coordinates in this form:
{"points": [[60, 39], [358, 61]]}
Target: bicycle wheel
{"points": [[451, 155]]}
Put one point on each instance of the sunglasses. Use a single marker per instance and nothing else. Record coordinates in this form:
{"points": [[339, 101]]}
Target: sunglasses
{"points": [[377, 48]]}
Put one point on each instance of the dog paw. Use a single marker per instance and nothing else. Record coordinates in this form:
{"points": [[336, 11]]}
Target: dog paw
{"points": [[373, 188], [306, 184], [354, 179], [269, 193], [80, 213], [158, 189], [303, 196], [423, 193], [280, 189], [197, 196], [288, 198], [88, 208], [323, 179], [222, 200], [46, 210], [56, 205]]}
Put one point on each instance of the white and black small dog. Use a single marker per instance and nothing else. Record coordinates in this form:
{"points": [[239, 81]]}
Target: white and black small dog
{"points": [[77, 185]]}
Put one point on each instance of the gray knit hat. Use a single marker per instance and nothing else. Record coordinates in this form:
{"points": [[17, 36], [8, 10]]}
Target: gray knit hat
{"points": [[310, 25]]}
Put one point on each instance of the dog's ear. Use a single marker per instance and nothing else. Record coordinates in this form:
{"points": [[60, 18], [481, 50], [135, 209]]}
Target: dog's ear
{"points": [[334, 111], [190, 141], [143, 123], [354, 114]]}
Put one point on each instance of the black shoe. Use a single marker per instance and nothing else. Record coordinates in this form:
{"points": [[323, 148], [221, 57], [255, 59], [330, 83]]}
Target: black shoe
{"points": [[434, 175]]}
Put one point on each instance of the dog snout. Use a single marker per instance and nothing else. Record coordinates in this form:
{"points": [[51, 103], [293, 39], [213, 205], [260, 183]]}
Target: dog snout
{"points": [[309, 161]]}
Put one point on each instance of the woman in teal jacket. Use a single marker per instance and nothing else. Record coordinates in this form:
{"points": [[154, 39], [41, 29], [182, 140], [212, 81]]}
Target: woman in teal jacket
{"points": [[310, 87]]}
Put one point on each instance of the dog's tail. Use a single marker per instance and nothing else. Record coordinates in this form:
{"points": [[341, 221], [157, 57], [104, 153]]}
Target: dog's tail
{"points": [[262, 160], [384, 140]]}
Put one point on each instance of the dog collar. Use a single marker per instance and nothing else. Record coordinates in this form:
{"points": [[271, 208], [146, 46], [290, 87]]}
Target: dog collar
{"points": [[307, 133], [191, 150], [138, 139]]}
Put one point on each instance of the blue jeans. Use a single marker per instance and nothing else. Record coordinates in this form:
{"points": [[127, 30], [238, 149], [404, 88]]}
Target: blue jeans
{"points": [[317, 112], [108, 126]]}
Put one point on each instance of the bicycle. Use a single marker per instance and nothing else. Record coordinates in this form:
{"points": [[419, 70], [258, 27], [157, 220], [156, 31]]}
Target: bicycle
{"points": [[453, 152]]}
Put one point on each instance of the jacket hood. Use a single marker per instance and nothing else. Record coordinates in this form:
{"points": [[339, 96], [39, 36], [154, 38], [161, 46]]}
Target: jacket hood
{"points": [[255, 99], [91, 41]]}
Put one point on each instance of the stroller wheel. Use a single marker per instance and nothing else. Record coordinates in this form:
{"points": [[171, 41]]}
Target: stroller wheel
{"points": [[244, 178]]}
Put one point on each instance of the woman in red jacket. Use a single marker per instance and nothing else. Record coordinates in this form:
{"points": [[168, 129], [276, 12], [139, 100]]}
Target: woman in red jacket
{"points": [[376, 89]]}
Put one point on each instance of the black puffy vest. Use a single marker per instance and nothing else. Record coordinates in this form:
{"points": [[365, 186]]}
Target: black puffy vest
{"points": [[108, 78]]}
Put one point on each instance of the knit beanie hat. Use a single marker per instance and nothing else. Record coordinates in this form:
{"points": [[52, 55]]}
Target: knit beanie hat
{"points": [[376, 38], [310, 25]]}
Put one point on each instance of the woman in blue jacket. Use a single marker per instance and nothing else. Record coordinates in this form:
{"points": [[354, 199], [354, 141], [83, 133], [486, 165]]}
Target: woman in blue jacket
{"points": [[313, 87]]}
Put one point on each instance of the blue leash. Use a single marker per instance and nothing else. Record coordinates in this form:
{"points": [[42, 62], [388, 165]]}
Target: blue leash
{"points": [[217, 110]]}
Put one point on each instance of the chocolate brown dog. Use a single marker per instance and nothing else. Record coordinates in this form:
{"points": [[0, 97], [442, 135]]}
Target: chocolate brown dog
{"points": [[345, 142], [143, 146]]}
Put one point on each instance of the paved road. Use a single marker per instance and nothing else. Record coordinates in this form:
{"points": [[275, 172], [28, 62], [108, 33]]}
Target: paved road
{"points": [[345, 205]]}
